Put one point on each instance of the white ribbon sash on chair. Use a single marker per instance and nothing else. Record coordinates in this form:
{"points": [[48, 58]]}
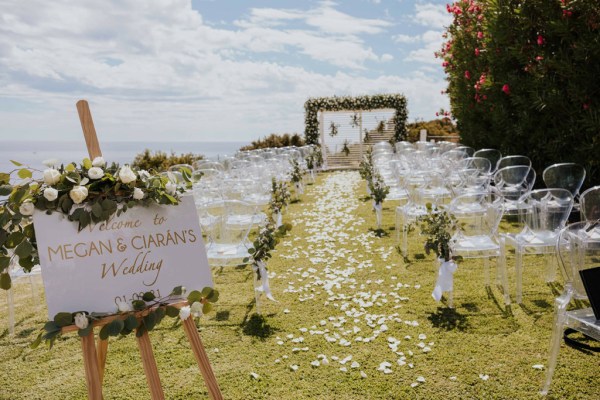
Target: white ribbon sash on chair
{"points": [[378, 207], [445, 280], [264, 279]]}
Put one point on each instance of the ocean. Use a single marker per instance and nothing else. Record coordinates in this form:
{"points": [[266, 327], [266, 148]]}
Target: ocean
{"points": [[34, 153]]}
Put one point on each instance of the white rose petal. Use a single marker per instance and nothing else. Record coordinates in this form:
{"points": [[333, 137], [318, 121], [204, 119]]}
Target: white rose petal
{"points": [[196, 309], [363, 374], [124, 306], [138, 194], [315, 363], [95, 173], [254, 375], [78, 194], [294, 367], [538, 366], [484, 377], [414, 384], [144, 175], [51, 162], [126, 174], [170, 187], [98, 162], [452, 378], [184, 313], [27, 208], [51, 176], [50, 194], [421, 379], [81, 321]]}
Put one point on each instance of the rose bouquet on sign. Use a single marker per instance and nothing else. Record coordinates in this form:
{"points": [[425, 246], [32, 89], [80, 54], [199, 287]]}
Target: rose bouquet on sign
{"points": [[87, 193]]}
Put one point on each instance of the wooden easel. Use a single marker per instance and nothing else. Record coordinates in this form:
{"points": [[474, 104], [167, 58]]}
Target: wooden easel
{"points": [[94, 354]]}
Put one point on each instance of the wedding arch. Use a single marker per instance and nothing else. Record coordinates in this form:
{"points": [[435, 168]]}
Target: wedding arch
{"points": [[345, 126]]}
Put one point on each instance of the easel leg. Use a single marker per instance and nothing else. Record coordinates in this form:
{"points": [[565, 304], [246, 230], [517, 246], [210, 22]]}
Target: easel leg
{"points": [[191, 332], [101, 350], [90, 363], [149, 363]]}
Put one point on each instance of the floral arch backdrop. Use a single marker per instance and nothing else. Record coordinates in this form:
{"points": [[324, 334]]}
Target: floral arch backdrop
{"points": [[367, 103]]}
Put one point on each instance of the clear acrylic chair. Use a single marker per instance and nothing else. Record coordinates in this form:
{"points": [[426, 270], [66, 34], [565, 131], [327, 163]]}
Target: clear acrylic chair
{"points": [[17, 273], [544, 212], [568, 176], [226, 225], [491, 154], [473, 175], [511, 161], [589, 203], [478, 217], [514, 182], [578, 247]]}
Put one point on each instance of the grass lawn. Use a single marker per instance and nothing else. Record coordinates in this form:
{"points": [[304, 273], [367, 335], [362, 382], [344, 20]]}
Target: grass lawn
{"points": [[346, 299]]}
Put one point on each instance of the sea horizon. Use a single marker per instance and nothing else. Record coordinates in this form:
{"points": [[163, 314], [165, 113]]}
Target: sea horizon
{"points": [[32, 153]]}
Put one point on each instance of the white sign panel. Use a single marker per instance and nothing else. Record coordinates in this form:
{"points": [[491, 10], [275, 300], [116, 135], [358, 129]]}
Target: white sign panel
{"points": [[144, 249]]}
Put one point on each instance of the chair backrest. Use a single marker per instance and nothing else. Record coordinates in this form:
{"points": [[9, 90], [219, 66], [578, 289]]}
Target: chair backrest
{"points": [[546, 210], [474, 174], [514, 181], [578, 248], [589, 203], [509, 161], [477, 213], [226, 225], [469, 150], [491, 154], [568, 176]]}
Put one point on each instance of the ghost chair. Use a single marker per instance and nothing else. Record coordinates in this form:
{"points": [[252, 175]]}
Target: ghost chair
{"points": [[477, 216], [578, 247], [589, 203], [17, 274], [468, 150], [180, 174], [568, 176], [544, 212], [473, 175], [491, 154], [511, 161], [514, 182]]}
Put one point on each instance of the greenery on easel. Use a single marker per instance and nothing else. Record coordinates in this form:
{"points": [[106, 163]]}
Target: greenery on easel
{"points": [[88, 193], [141, 315], [437, 226]]}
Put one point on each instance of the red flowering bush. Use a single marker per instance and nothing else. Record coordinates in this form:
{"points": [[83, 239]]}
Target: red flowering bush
{"points": [[524, 77]]}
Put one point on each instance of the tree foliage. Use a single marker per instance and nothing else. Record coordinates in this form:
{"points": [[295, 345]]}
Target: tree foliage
{"points": [[275, 140], [161, 161], [524, 77]]}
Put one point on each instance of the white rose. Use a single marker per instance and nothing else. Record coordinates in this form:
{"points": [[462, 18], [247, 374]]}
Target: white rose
{"points": [[50, 194], [81, 321], [78, 194], [95, 173], [138, 194], [51, 162], [196, 309], [126, 175], [98, 162], [184, 313], [124, 306], [144, 175], [51, 176], [170, 187], [26, 208]]}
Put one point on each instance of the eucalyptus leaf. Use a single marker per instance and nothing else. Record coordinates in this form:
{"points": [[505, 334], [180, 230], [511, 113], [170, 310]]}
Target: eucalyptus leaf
{"points": [[5, 282], [24, 249], [177, 291], [206, 308], [194, 296], [131, 322], [138, 305], [172, 311], [18, 164], [24, 173], [148, 296], [97, 210], [103, 334], [4, 262], [115, 327], [150, 321], [5, 190], [63, 319], [13, 240], [51, 326], [37, 341]]}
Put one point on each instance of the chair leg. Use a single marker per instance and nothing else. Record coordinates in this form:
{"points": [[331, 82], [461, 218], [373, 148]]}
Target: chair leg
{"points": [[451, 299], [11, 311], [502, 274], [550, 267], [519, 273], [486, 271], [257, 293], [557, 333]]}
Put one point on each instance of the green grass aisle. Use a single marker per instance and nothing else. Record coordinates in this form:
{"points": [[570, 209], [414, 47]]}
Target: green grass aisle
{"points": [[352, 321]]}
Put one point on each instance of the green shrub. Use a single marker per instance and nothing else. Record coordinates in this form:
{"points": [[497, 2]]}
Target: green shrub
{"points": [[274, 140], [524, 77], [161, 161], [436, 127]]}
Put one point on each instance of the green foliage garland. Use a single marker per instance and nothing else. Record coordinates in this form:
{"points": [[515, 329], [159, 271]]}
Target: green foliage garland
{"points": [[314, 105], [437, 225], [89, 193], [280, 197]]}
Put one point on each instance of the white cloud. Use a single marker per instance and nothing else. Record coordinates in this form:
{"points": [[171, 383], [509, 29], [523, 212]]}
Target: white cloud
{"points": [[401, 38], [156, 69], [432, 15]]}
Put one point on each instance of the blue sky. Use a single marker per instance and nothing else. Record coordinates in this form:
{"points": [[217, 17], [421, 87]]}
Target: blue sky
{"points": [[157, 70]]}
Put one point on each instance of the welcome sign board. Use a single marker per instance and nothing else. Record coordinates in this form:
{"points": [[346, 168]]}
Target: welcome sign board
{"points": [[145, 249]]}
